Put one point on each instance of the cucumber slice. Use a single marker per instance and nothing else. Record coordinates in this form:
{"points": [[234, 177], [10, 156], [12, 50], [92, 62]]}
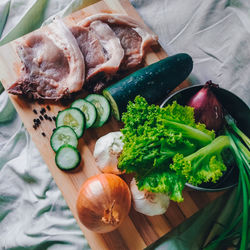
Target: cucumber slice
{"points": [[67, 157], [102, 106], [62, 136], [88, 109], [114, 107], [73, 118]]}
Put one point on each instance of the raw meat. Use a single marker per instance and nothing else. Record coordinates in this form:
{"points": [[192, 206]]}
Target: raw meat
{"points": [[133, 36], [101, 48], [58, 60], [131, 42], [53, 65]]}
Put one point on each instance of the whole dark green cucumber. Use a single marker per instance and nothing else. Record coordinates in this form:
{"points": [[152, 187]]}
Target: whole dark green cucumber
{"points": [[153, 82]]}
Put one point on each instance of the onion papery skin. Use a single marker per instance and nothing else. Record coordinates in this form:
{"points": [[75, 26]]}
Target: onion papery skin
{"points": [[207, 108], [107, 151], [103, 203]]}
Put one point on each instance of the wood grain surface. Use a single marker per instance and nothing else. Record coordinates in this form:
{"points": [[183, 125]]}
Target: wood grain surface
{"points": [[137, 231]]}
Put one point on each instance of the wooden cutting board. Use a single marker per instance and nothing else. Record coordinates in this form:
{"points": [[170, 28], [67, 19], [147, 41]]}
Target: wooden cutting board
{"points": [[137, 231]]}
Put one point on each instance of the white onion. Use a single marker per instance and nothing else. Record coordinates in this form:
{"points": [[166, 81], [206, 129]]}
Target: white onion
{"points": [[107, 150], [148, 203]]}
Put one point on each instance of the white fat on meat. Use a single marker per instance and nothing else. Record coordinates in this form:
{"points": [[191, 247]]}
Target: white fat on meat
{"points": [[110, 18], [101, 48], [53, 65], [63, 38], [135, 37], [111, 45]]}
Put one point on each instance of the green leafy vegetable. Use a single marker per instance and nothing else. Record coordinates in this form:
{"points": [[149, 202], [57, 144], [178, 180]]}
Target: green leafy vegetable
{"points": [[152, 137], [167, 182], [204, 165]]}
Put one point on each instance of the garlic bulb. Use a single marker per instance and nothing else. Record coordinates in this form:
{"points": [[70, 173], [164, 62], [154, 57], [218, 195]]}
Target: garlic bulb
{"points": [[107, 150], [148, 203]]}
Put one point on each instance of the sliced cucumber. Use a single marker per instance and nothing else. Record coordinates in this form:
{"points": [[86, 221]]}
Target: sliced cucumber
{"points": [[102, 106], [67, 157], [63, 135], [73, 118], [88, 109], [113, 104]]}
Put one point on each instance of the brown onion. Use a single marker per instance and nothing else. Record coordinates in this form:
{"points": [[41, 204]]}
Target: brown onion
{"points": [[103, 203]]}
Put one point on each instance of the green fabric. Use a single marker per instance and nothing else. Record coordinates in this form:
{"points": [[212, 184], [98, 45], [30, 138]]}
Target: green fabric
{"points": [[202, 227], [31, 20], [4, 11]]}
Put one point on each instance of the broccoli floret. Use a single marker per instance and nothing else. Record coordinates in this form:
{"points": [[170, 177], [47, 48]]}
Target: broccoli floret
{"points": [[204, 165]]}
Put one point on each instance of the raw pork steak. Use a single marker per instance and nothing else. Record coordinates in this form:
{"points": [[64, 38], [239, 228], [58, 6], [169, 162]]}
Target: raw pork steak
{"points": [[58, 60], [53, 65], [110, 43], [134, 37], [101, 48]]}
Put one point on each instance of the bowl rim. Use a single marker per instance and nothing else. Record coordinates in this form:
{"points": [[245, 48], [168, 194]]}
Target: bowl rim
{"points": [[177, 92], [210, 189], [200, 86]]}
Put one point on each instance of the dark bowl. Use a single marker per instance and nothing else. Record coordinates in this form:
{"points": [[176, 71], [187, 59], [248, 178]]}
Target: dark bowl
{"points": [[237, 109]]}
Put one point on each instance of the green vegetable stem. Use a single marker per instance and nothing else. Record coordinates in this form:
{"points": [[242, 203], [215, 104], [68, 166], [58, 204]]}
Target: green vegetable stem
{"points": [[206, 164], [237, 232]]}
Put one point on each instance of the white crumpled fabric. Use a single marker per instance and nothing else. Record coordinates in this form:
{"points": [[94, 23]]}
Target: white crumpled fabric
{"points": [[33, 213]]}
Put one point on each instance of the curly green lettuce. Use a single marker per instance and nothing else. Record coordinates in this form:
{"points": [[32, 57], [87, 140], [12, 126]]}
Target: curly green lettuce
{"points": [[205, 165], [153, 135], [155, 138], [167, 182]]}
